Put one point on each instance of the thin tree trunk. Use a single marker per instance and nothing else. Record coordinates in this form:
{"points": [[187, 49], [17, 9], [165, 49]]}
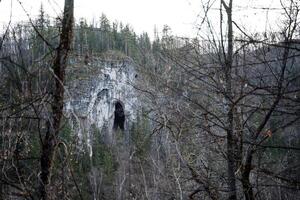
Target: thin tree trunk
{"points": [[59, 65], [291, 28], [247, 187], [231, 146]]}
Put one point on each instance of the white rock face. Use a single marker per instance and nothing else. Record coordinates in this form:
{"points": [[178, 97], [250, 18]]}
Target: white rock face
{"points": [[91, 96]]}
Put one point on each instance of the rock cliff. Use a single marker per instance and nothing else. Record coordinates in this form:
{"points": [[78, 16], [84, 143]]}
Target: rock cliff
{"points": [[97, 92]]}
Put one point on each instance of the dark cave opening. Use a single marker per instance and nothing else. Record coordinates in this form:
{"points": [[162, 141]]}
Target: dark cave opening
{"points": [[119, 116]]}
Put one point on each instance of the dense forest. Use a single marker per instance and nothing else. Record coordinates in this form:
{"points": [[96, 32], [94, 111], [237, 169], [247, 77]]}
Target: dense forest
{"points": [[217, 116]]}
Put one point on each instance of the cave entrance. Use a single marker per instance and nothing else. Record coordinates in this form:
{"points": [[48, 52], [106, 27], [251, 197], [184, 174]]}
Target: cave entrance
{"points": [[119, 116]]}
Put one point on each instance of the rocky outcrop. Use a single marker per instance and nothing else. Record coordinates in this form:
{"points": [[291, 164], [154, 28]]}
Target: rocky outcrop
{"points": [[97, 92]]}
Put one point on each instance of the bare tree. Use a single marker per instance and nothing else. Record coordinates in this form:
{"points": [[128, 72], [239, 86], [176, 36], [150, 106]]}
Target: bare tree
{"points": [[231, 89], [49, 142]]}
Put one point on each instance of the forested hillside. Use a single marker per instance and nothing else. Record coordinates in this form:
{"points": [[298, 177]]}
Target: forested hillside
{"points": [[94, 110]]}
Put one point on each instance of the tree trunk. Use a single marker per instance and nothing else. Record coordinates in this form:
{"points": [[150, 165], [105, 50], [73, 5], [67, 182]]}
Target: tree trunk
{"points": [[59, 65], [291, 28], [247, 187], [231, 144]]}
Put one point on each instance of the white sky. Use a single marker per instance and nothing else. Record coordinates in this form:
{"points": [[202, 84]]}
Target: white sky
{"points": [[143, 15]]}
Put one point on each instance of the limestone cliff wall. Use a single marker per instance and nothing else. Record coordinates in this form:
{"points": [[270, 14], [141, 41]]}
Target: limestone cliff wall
{"points": [[93, 90]]}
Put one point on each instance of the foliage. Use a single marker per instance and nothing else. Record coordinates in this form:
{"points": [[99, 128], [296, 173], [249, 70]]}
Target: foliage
{"points": [[140, 136], [103, 156]]}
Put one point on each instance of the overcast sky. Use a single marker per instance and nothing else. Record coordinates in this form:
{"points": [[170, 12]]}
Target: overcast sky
{"points": [[143, 15]]}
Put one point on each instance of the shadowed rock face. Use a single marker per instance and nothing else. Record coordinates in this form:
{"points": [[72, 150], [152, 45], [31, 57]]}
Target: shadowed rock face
{"points": [[119, 117]]}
